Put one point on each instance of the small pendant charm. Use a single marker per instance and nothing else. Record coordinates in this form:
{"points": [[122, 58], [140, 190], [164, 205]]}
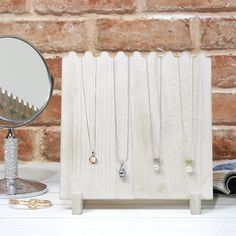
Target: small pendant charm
{"points": [[122, 171], [189, 166], [93, 158], [156, 164]]}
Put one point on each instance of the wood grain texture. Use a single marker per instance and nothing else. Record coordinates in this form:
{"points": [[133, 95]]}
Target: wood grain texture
{"points": [[195, 203], [77, 203], [101, 181]]}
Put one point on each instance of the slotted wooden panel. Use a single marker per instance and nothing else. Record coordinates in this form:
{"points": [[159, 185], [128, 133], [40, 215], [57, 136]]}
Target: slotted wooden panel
{"points": [[101, 181]]}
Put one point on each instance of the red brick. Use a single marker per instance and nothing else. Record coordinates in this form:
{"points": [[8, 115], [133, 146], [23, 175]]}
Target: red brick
{"points": [[50, 144], [27, 139], [224, 71], [224, 108], [78, 6], [52, 113], [56, 36], [143, 35], [190, 5], [13, 6], [55, 69], [218, 33], [224, 142]]}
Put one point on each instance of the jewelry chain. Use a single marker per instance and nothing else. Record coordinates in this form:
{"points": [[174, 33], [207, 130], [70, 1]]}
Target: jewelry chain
{"points": [[115, 115], [181, 111], [192, 133], [160, 109], [92, 148]]}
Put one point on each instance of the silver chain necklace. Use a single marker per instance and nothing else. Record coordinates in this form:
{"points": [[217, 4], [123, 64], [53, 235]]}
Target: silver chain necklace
{"points": [[92, 157], [156, 154], [122, 170], [188, 157]]}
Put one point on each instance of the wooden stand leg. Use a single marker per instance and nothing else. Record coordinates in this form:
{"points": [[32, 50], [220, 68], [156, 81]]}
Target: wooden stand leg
{"points": [[77, 203], [195, 204]]}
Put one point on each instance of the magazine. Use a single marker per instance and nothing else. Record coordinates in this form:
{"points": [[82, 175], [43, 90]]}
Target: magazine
{"points": [[224, 176]]}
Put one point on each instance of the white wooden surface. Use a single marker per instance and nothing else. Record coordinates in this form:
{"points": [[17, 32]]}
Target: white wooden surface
{"points": [[101, 181], [111, 218]]}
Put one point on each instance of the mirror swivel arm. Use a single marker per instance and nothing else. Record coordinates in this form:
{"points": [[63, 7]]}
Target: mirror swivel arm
{"points": [[53, 79]]}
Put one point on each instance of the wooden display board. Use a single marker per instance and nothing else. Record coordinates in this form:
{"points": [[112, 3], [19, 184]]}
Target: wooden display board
{"points": [[82, 180]]}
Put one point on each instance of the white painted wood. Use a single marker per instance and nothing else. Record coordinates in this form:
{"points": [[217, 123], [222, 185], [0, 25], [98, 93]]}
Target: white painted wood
{"points": [[77, 203], [101, 181], [69, 84], [195, 203], [112, 226]]}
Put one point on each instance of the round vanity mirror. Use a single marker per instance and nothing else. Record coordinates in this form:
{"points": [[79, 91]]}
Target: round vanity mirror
{"points": [[25, 89], [25, 82]]}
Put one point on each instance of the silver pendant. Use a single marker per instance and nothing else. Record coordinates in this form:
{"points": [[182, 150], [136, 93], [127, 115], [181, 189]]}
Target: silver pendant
{"points": [[156, 164], [93, 158], [122, 171], [189, 166]]}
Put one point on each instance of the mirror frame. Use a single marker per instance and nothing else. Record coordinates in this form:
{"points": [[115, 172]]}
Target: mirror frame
{"points": [[14, 123]]}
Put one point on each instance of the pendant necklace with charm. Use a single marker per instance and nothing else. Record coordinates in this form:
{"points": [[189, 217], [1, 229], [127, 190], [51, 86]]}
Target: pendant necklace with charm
{"points": [[92, 146], [188, 155], [122, 162], [156, 152]]}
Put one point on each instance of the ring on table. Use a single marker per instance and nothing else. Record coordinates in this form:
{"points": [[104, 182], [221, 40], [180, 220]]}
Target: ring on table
{"points": [[32, 203]]}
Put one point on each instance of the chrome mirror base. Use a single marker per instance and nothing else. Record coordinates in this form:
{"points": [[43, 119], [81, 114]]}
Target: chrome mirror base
{"points": [[21, 188]]}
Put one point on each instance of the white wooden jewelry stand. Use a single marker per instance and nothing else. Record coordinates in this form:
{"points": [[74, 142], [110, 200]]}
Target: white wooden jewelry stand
{"points": [[81, 180]]}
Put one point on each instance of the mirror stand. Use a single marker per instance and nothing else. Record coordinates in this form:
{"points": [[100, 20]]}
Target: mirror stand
{"points": [[24, 93], [12, 185]]}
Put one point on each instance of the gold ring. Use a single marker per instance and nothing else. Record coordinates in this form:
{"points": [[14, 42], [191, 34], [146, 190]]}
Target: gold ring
{"points": [[32, 203]]}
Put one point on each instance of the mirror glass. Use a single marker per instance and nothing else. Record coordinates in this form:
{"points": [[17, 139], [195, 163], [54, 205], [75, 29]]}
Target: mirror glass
{"points": [[25, 82]]}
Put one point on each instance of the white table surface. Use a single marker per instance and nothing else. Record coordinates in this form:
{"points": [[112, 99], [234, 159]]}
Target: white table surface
{"points": [[111, 218]]}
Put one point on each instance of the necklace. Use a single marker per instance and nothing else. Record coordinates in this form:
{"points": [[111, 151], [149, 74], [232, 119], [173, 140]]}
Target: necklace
{"points": [[156, 154], [122, 170], [188, 156], [92, 157]]}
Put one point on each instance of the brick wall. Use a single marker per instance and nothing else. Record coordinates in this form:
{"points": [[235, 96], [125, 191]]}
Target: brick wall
{"points": [[59, 26]]}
